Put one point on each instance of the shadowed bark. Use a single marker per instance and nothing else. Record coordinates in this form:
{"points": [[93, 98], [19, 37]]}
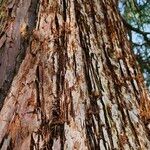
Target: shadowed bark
{"points": [[69, 79], [18, 19]]}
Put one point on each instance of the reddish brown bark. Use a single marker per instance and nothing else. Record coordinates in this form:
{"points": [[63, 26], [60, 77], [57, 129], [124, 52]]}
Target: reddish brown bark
{"points": [[78, 86]]}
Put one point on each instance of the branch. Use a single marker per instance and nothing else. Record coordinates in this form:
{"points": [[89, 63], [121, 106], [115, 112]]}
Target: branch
{"points": [[137, 30]]}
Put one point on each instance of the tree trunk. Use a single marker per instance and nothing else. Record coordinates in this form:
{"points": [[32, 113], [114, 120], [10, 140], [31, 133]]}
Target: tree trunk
{"points": [[78, 85]]}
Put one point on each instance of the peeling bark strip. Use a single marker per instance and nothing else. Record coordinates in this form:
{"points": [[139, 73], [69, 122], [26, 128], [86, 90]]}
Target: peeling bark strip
{"points": [[18, 21], [78, 85]]}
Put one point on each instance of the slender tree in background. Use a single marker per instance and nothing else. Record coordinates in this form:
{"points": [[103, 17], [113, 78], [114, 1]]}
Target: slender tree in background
{"points": [[68, 79]]}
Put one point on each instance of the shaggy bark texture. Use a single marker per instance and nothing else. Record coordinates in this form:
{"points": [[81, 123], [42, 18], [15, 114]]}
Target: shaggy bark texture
{"points": [[78, 85]]}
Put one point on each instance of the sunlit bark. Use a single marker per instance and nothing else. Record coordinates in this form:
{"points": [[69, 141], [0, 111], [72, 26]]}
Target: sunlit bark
{"points": [[78, 86]]}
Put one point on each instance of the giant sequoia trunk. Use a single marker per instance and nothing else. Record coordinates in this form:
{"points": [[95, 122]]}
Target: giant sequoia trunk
{"points": [[68, 78]]}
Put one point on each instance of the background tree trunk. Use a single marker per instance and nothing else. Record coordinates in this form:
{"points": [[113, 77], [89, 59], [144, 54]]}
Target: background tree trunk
{"points": [[78, 86]]}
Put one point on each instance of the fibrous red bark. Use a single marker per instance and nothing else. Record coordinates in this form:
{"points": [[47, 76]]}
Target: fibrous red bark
{"points": [[79, 86]]}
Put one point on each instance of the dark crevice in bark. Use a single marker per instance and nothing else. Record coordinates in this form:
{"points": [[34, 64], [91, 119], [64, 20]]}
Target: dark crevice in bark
{"points": [[32, 15], [132, 83], [108, 127], [110, 67], [56, 130], [111, 96], [75, 65], [87, 62], [137, 142], [37, 83], [56, 127], [109, 30], [93, 13], [91, 132], [100, 127], [64, 10], [72, 112], [3, 140], [61, 46], [91, 136], [41, 133], [84, 45], [146, 123], [94, 72], [10, 145], [24, 43], [32, 143], [120, 106], [59, 74]]}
